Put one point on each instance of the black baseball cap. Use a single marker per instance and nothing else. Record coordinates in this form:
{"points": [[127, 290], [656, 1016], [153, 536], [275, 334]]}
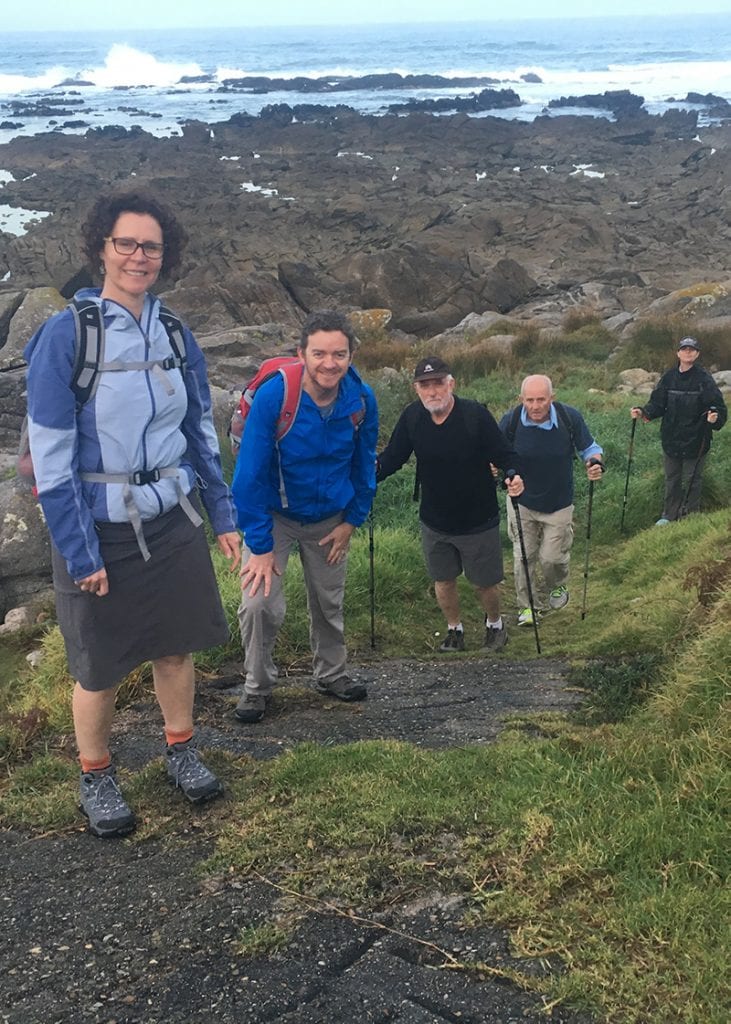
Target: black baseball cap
{"points": [[432, 366], [689, 343]]}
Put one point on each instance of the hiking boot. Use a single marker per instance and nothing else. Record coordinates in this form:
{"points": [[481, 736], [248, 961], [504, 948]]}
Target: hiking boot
{"points": [[558, 598], [251, 708], [525, 617], [344, 688], [495, 639], [187, 772], [103, 804], [453, 641]]}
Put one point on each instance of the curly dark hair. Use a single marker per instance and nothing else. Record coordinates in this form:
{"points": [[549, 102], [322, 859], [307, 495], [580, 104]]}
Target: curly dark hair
{"points": [[103, 215], [327, 320]]}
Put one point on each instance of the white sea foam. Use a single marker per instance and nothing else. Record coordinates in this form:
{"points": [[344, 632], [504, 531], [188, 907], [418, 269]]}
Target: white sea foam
{"points": [[14, 85], [249, 186], [125, 66], [585, 171], [14, 220], [576, 57]]}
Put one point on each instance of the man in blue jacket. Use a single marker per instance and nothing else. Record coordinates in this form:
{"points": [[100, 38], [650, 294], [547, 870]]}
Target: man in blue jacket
{"points": [[545, 434], [312, 489]]}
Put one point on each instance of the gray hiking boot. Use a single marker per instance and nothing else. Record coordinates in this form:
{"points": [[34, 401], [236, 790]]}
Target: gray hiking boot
{"points": [[251, 708], [103, 804], [495, 639], [187, 772], [344, 688], [453, 641]]}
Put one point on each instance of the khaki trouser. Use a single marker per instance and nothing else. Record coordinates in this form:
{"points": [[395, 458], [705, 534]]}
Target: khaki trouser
{"points": [[260, 618], [548, 537]]}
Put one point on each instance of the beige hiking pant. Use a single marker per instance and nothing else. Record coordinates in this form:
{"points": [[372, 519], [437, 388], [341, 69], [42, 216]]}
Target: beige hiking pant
{"points": [[548, 537]]}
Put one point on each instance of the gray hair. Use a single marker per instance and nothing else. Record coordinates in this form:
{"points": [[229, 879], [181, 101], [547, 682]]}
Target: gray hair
{"points": [[537, 376]]}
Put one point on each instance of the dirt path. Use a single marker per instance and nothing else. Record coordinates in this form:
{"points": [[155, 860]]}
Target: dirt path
{"points": [[129, 933]]}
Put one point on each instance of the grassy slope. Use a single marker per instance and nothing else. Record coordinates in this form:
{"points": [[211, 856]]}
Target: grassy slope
{"points": [[602, 843]]}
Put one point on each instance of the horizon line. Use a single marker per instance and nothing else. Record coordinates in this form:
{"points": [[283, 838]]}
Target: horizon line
{"points": [[375, 24]]}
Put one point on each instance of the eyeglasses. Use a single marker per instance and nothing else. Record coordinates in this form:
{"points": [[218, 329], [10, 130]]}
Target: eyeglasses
{"points": [[128, 247]]}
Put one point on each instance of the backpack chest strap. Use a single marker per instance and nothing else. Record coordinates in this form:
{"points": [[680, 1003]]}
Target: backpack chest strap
{"points": [[157, 366]]}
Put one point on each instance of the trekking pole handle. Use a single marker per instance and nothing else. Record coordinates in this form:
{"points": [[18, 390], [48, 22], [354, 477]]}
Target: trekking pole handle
{"points": [[509, 474], [595, 461]]}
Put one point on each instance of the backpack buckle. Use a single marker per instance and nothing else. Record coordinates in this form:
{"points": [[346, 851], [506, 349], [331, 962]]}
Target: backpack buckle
{"points": [[145, 476]]}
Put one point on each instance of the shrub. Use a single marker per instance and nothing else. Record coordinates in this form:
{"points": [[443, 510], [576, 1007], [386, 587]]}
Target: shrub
{"points": [[578, 317]]}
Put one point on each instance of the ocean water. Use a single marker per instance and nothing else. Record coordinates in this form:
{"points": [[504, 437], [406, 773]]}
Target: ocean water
{"points": [[135, 77]]}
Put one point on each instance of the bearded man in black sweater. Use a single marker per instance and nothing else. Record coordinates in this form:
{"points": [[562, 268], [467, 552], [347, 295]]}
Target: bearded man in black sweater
{"points": [[455, 440]]}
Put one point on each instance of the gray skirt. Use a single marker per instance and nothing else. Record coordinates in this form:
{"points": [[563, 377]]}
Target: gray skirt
{"points": [[169, 605]]}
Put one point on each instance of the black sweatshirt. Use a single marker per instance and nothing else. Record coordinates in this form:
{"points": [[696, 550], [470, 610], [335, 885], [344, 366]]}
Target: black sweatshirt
{"points": [[453, 464]]}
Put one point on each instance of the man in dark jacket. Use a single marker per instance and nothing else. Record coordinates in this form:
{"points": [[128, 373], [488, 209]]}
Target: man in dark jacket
{"points": [[455, 440], [691, 406]]}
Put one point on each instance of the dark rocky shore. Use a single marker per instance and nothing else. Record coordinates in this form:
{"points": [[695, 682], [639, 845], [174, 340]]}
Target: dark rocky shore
{"points": [[431, 217], [443, 222]]}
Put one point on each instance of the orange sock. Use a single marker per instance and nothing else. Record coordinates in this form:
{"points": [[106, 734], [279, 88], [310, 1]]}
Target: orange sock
{"points": [[177, 737], [95, 766]]}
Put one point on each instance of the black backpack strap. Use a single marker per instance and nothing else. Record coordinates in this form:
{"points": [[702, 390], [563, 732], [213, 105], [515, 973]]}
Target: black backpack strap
{"points": [[512, 426], [567, 422], [89, 348], [563, 418], [410, 418], [174, 327], [473, 419]]}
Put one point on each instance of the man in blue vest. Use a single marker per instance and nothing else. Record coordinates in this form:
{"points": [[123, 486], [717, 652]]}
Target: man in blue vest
{"points": [[546, 434]]}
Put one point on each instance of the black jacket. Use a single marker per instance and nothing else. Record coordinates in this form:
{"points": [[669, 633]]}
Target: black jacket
{"points": [[683, 399], [453, 464]]}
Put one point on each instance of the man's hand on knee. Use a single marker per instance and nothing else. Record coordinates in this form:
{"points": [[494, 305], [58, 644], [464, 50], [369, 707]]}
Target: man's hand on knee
{"points": [[258, 570]]}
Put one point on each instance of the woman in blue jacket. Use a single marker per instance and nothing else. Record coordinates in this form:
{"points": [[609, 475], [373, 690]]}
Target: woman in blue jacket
{"points": [[115, 474]]}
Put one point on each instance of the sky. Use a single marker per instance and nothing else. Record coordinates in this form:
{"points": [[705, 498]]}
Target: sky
{"points": [[74, 15]]}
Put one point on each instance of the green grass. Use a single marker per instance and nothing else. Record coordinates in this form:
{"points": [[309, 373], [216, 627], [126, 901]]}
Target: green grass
{"points": [[601, 840]]}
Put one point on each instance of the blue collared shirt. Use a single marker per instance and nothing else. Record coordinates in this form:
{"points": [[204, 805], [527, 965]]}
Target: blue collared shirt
{"points": [[552, 422]]}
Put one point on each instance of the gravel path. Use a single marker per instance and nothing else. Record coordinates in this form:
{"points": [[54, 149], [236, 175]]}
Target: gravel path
{"points": [[129, 932]]}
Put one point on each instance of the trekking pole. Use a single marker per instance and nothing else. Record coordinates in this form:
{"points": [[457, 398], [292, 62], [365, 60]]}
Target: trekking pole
{"points": [[524, 560], [372, 581], [704, 440], [629, 467], [592, 462]]}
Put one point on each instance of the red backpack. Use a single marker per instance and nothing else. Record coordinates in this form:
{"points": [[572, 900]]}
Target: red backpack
{"points": [[292, 370]]}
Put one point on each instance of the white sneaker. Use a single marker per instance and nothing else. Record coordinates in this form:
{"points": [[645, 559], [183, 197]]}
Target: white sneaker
{"points": [[558, 598]]}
